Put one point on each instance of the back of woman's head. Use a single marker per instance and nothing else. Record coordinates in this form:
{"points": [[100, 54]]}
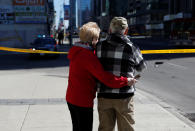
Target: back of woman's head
{"points": [[88, 32]]}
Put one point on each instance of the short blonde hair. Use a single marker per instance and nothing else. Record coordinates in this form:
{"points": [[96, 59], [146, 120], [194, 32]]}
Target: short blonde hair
{"points": [[89, 31]]}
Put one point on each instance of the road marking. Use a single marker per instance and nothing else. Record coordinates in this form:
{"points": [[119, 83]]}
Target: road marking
{"points": [[179, 66]]}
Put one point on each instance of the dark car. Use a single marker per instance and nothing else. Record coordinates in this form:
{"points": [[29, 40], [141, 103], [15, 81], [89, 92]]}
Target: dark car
{"points": [[46, 44]]}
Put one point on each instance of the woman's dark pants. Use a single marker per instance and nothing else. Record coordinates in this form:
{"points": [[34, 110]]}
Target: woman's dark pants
{"points": [[82, 118]]}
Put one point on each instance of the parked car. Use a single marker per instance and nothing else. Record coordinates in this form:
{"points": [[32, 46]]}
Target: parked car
{"points": [[46, 44]]}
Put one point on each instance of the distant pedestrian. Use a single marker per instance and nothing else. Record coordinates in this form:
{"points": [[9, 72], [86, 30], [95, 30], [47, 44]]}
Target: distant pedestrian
{"points": [[70, 38], [60, 37], [85, 69], [56, 35], [121, 57]]}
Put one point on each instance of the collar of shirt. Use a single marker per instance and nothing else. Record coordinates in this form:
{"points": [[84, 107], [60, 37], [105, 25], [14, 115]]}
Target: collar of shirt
{"points": [[84, 45]]}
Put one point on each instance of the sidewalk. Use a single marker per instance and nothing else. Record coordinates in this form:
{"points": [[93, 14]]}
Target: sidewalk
{"points": [[42, 107]]}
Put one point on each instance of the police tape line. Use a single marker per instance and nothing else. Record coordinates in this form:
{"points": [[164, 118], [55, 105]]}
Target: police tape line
{"points": [[30, 51], [166, 51]]}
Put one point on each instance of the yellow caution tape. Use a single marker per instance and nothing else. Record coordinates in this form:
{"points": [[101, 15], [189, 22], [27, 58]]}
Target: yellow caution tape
{"points": [[168, 51], [30, 50]]}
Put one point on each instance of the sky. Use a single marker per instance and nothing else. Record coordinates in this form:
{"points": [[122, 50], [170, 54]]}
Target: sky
{"points": [[58, 5]]}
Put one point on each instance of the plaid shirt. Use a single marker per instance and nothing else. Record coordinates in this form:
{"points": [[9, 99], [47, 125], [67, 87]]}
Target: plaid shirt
{"points": [[119, 56]]}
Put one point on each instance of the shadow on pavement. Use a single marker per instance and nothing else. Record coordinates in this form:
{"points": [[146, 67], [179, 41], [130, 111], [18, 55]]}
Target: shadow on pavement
{"points": [[149, 57], [13, 61], [22, 61]]}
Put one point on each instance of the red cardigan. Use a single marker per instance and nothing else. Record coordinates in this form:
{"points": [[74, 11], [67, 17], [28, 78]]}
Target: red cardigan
{"points": [[84, 69]]}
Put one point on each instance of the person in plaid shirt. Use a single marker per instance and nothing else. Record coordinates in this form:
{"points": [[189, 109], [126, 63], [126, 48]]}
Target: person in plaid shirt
{"points": [[121, 57]]}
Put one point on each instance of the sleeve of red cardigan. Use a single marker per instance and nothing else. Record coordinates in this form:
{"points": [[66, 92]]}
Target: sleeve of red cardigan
{"points": [[94, 66]]}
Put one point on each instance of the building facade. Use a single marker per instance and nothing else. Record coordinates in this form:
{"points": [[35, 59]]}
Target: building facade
{"points": [[73, 14], [96, 9], [84, 12], [81, 13], [146, 16], [105, 10], [179, 10], [51, 17], [22, 21]]}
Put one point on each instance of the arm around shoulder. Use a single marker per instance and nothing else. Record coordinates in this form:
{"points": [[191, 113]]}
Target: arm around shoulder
{"points": [[96, 69]]}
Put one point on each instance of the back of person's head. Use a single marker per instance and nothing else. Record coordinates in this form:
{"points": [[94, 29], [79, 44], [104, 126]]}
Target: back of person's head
{"points": [[88, 32], [118, 25]]}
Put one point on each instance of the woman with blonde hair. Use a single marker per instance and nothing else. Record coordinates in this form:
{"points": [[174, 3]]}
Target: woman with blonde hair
{"points": [[84, 70]]}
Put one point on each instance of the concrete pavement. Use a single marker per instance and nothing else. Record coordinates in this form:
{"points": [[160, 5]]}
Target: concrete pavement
{"points": [[32, 100]]}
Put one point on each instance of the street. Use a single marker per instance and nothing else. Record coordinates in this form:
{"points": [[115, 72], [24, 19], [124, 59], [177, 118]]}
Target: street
{"points": [[173, 82], [170, 77]]}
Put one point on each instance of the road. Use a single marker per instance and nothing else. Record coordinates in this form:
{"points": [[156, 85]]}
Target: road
{"points": [[171, 81], [170, 77]]}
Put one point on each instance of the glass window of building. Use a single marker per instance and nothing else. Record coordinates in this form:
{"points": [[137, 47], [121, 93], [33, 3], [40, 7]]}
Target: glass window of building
{"points": [[118, 8], [84, 11]]}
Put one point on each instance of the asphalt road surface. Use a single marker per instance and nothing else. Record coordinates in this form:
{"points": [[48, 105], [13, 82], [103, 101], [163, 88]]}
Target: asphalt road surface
{"points": [[170, 77]]}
